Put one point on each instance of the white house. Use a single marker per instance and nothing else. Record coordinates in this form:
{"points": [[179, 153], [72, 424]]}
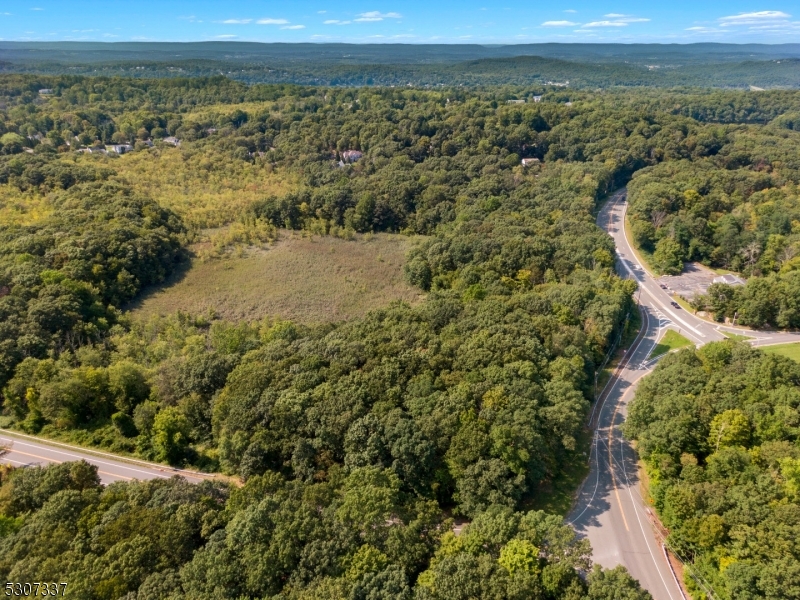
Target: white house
{"points": [[119, 148], [350, 156], [526, 162]]}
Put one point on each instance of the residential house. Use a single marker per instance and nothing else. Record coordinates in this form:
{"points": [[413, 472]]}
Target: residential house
{"points": [[172, 141], [351, 156], [119, 148], [526, 162]]}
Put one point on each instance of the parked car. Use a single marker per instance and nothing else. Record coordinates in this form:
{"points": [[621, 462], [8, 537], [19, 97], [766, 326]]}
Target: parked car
{"points": [[675, 305], [663, 286]]}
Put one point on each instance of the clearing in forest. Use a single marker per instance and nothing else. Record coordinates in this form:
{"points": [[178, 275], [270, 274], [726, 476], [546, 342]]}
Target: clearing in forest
{"points": [[302, 278]]}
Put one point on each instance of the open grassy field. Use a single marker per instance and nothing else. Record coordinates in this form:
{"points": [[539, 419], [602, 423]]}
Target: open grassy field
{"points": [[789, 350], [302, 278], [672, 340]]}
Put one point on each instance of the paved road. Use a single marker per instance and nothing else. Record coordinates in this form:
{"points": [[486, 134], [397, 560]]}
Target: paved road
{"points": [[610, 510], [28, 450]]}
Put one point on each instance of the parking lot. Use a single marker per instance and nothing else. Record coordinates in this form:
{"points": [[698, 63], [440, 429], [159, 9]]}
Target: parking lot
{"points": [[695, 279]]}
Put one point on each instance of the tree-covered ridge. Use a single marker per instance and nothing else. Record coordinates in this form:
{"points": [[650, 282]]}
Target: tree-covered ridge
{"points": [[355, 536], [420, 65], [718, 431], [62, 277]]}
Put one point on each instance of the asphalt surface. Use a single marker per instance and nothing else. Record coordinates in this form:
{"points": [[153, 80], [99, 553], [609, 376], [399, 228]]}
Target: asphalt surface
{"points": [[610, 510], [28, 450]]}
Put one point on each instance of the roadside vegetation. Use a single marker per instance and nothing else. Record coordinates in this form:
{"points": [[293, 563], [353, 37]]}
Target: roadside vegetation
{"points": [[788, 350], [731, 204], [717, 429], [672, 340]]}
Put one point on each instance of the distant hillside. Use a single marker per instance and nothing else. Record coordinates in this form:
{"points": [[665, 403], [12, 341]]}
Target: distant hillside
{"points": [[102, 52], [583, 65]]}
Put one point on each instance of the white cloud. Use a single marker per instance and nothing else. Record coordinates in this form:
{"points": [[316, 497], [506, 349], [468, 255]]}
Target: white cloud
{"points": [[559, 24], [570, 10], [605, 24], [754, 17], [336, 22], [227, 36], [110, 35], [775, 27], [768, 21], [37, 8], [321, 12], [293, 27], [376, 15], [272, 22], [615, 20], [237, 21]]}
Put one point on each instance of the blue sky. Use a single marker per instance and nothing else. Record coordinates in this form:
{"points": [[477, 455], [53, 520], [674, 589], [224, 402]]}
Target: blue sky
{"points": [[406, 21]]}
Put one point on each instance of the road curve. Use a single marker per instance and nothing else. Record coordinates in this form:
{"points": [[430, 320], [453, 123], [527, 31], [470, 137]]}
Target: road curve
{"points": [[609, 509], [27, 450]]}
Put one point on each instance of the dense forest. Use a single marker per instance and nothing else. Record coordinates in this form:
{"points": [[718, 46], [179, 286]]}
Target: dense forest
{"points": [[355, 535], [354, 440], [717, 429]]}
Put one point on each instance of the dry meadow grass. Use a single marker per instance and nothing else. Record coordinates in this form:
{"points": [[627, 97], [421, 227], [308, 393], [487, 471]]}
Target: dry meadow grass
{"points": [[303, 278]]}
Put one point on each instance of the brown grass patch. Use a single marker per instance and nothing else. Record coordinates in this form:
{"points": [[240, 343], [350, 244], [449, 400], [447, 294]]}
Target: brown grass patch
{"points": [[303, 278]]}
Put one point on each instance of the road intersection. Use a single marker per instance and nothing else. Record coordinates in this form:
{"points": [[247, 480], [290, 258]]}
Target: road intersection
{"points": [[610, 510]]}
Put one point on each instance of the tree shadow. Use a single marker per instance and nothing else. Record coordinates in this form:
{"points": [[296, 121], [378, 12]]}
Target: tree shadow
{"points": [[178, 274]]}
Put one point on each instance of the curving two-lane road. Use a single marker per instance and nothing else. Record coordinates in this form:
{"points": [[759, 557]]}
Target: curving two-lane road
{"points": [[25, 450], [610, 510]]}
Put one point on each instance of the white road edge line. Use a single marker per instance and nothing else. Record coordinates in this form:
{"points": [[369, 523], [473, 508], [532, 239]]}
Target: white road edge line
{"points": [[87, 459], [122, 459]]}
